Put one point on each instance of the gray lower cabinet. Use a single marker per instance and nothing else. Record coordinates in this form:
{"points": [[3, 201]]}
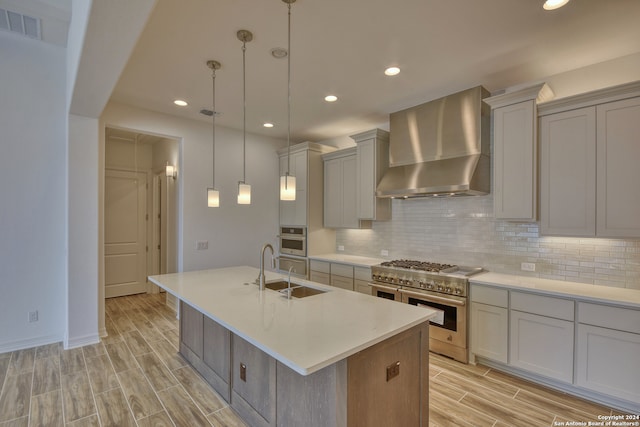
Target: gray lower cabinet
{"points": [[253, 394], [207, 346]]}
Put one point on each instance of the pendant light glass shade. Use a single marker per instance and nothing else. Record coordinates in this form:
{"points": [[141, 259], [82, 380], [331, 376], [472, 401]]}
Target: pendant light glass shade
{"points": [[244, 193], [213, 198], [287, 181], [287, 187]]}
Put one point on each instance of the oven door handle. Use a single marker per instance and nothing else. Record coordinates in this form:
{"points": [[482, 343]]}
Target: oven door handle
{"points": [[386, 288], [433, 298]]}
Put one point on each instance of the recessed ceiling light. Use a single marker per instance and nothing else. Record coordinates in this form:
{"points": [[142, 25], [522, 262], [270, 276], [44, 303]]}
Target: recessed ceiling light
{"points": [[554, 4], [279, 52], [268, 125], [180, 103], [331, 98], [392, 71]]}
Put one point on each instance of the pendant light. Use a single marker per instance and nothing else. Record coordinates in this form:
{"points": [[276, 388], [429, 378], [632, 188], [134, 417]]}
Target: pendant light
{"points": [[213, 195], [287, 181], [244, 189]]}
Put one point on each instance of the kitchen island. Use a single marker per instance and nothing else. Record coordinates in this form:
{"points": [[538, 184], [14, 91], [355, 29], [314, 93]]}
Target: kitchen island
{"points": [[337, 358]]}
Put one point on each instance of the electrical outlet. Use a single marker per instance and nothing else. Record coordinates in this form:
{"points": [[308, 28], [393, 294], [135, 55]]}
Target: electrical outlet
{"points": [[340, 248], [384, 252], [33, 316], [202, 245], [528, 266]]}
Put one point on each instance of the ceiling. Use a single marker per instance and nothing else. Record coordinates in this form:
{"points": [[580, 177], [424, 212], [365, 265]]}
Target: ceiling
{"points": [[342, 48]]}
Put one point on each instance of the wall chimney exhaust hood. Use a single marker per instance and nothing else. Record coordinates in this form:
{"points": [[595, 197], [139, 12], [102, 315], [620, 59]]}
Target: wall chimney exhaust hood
{"points": [[440, 148]]}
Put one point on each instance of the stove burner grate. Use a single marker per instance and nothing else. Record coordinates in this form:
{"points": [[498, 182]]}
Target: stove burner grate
{"points": [[432, 267]]}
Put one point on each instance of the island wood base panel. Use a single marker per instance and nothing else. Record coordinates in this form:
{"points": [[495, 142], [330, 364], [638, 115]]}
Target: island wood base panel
{"points": [[385, 384]]}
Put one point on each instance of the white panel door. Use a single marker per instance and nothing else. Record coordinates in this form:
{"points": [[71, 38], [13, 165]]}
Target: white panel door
{"points": [[125, 233]]}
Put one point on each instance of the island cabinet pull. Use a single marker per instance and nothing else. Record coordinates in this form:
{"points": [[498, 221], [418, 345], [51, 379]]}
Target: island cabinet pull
{"points": [[432, 298], [243, 372]]}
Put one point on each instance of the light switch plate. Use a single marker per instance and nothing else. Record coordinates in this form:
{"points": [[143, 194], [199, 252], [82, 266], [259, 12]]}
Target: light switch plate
{"points": [[384, 252], [340, 248], [202, 245]]}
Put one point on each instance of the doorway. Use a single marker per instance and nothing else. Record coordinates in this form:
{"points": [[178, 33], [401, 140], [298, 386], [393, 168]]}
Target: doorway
{"points": [[140, 211]]}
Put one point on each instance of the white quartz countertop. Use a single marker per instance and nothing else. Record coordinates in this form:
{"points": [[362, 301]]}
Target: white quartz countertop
{"points": [[360, 261], [305, 334], [580, 291]]}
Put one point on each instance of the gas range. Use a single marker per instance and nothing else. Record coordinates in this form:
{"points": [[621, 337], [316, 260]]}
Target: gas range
{"points": [[439, 287], [442, 278]]}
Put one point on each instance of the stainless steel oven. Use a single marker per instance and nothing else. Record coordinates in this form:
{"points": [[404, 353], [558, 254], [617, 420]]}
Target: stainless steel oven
{"points": [[448, 330], [293, 241], [441, 287]]}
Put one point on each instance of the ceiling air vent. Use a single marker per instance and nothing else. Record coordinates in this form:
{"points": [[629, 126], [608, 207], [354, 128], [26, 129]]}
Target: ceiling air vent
{"points": [[19, 23]]}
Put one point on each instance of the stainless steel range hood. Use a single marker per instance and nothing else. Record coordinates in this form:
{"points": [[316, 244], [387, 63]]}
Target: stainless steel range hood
{"points": [[440, 148]]}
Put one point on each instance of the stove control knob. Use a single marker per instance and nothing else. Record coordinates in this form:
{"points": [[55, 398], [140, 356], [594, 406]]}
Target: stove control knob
{"points": [[458, 291], [440, 288], [420, 284], [430, 285], [448, 289]]}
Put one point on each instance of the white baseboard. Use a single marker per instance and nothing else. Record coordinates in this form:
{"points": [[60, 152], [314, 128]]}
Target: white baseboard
{"points": [[29, 343], [81, 341]]}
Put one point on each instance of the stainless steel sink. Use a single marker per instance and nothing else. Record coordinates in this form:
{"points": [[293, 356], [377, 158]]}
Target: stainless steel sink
{"points": [[276, 286], [297, 291]]}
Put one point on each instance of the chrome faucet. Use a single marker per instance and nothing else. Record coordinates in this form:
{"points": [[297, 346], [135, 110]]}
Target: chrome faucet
{"points": [[261, 277], [289, 286]]}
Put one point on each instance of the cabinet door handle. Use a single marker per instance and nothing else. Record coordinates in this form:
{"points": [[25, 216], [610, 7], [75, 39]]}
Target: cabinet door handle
{"points": [[243, 372]]}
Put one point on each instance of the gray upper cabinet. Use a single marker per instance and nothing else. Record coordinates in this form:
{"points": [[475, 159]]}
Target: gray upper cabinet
{"points": [[340, 194], [351, 176], [515, 152], [589, 173], [568, 173], [372, 156], [618, 152]]}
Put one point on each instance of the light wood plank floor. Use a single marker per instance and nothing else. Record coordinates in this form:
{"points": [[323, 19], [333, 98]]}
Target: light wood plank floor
{"points": [[135, 377]]}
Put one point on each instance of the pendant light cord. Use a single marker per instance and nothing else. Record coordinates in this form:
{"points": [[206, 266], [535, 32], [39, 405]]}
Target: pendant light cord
{"points": [[244, 111], [213, 129], [288, 94]]}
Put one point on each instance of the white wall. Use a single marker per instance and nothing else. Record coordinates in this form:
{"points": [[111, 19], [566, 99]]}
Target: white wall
{"points": [[235, 233], [33, 197], [82, 291]]}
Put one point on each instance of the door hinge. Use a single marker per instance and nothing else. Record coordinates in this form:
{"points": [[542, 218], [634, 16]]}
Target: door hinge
{"points": [[147, 248], [146, 217]]}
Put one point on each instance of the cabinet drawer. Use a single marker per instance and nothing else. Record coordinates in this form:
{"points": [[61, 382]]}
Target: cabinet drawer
{"points": [[362, 273], [542, 305], [342, 282], [489, 295], [319, 277], [342, 270], [321, 266], [622, 319]]}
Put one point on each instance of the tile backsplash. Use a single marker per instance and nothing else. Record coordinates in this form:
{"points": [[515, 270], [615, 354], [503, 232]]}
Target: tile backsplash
{"points": [[464, 231]]}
